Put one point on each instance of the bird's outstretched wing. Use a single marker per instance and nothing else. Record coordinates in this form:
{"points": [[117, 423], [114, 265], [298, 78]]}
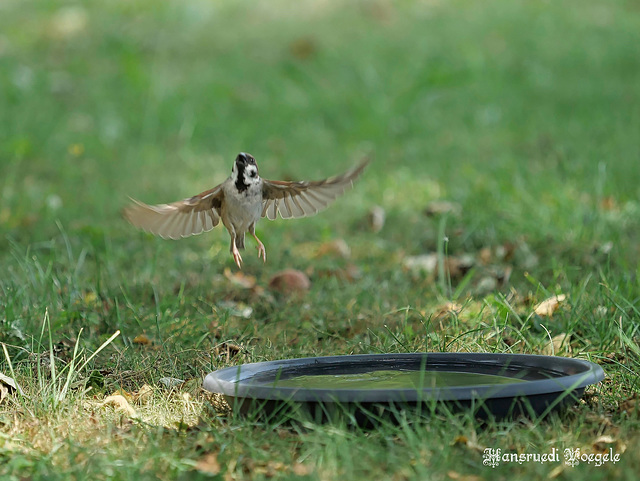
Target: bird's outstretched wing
{"points": [[195, 215], [303, 199]]}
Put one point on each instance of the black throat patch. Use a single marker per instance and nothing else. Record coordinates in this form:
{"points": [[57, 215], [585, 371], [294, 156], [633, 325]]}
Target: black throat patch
{"points": [[240, 185]]}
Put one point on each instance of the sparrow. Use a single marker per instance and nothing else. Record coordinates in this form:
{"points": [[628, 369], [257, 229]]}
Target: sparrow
{"points": [[240, 202]]}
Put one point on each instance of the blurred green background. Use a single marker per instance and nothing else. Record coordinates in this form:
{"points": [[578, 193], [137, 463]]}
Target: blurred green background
{"points": [[529, 109]]}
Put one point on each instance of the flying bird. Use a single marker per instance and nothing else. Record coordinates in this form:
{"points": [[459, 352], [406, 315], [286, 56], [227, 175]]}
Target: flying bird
{"points": [[240, 202]]}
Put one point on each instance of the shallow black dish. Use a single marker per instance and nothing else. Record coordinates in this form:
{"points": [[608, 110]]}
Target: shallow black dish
{"points": [[549, 383]]}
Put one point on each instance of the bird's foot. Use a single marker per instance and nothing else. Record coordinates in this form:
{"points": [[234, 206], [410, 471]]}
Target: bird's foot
{"points": [[262, 252], [237, 257]]}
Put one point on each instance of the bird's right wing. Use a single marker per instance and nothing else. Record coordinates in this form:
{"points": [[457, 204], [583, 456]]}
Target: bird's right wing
{"points": [[195, 215]]}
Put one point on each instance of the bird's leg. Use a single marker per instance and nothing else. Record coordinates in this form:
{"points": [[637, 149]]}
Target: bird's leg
{"points": [[234, 249], [262, 252]]}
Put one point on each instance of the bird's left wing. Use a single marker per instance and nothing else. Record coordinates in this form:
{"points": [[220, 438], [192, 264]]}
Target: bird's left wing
{"points": [[302, 199], [191, 216]]}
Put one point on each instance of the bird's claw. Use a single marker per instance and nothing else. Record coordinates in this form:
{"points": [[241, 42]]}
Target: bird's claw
{"points": [[262, 252], [237, 258]]}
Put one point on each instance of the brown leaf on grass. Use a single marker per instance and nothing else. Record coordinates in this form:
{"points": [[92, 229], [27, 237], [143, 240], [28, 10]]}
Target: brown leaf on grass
{"points": [[350, 273], [170, 382], [142, 339], [121, 392], [227, 349], [426, 263], [614, 358], [240, 279], [557, 344], [120, 404], [547, 307], [604, 442], [300, 469], [8, 385], [208, 464], [464, 441], [376, 218], [290, 281], [446, 310], [454, 267], [439, 207], [143, 395], [630, 405], [485, 256], [460, 440], [269, 469], [457, 267], [335, 248]]}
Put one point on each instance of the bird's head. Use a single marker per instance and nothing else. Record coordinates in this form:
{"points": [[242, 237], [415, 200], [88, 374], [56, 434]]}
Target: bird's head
{"points": [[245, 170]]}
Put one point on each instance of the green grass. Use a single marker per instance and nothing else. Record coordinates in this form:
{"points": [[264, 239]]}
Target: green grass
{"points": [[524, 113]]}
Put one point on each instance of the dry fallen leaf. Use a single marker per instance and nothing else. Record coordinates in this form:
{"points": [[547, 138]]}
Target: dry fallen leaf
{"points": [[439, 207], [485, 255], [629, 405], [446, 311], [290, 281], [457, 267], [426, 263], [350, 273], [142, 339], [462, 440], [208, 464], [547, 307], [604, 442], [240, 279], [558, 344], [121, 392], [334, 248], [9, 384], [454, 267], [300, 469], [227, 349], [170, 382], [143, 395], [376, 218], [120, 403]]}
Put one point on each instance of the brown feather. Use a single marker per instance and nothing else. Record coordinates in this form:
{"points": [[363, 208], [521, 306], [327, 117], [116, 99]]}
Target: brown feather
{"points": [[191, 216], [301, 199]]}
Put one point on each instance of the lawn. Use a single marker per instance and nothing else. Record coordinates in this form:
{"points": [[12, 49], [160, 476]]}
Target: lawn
{"points": [[504, 137]]}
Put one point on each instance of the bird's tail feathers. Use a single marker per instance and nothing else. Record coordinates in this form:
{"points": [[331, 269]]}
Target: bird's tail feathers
{"points": [[240, 241]]}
